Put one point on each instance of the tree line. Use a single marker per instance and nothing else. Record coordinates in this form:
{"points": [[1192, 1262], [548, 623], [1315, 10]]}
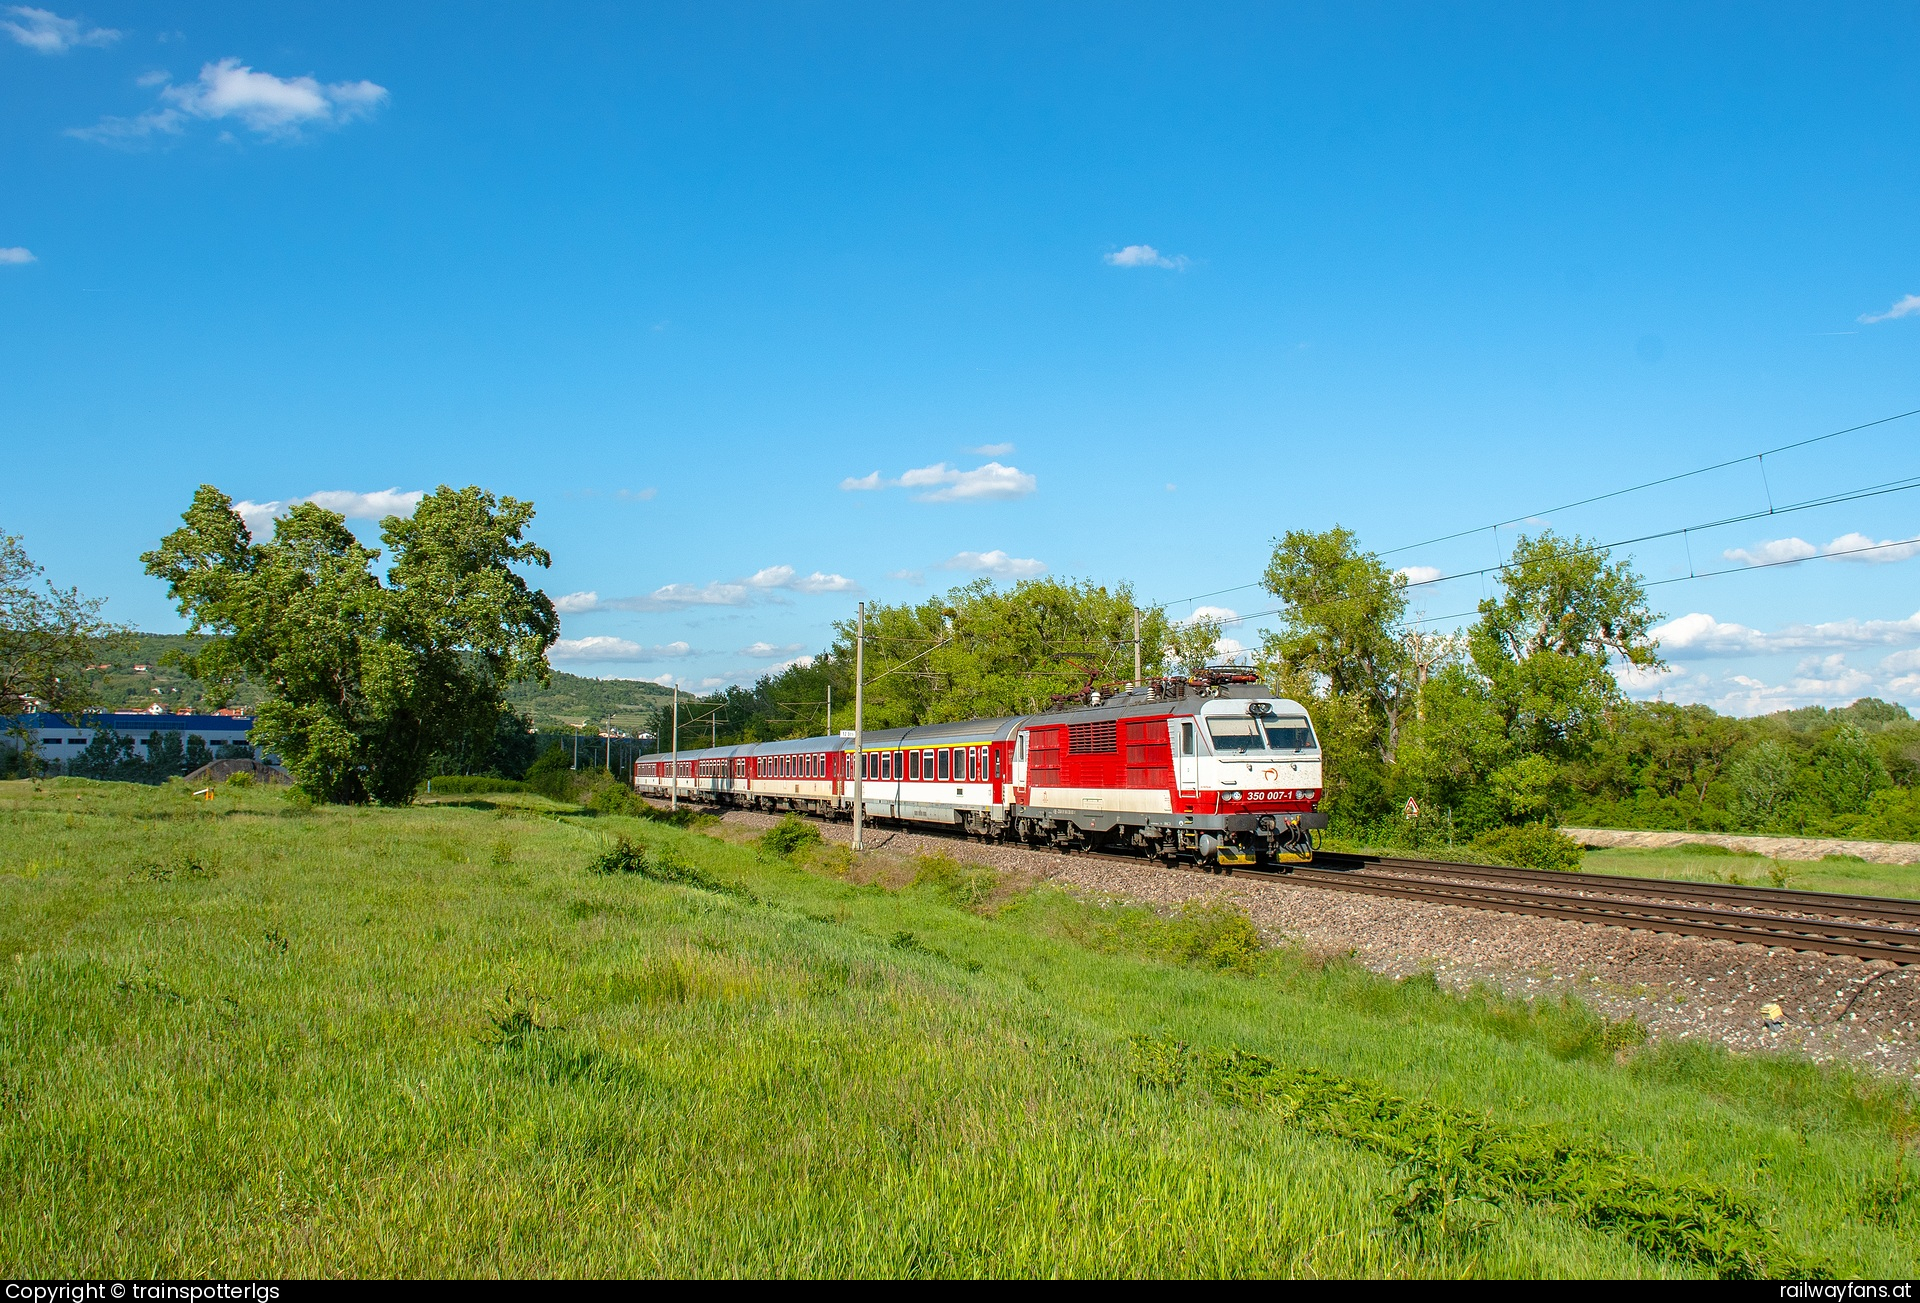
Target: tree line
{"points": [[1518, 719], [373, 682]]}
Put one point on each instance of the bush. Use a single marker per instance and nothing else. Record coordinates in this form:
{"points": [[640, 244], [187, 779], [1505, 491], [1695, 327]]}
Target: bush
{"points": [[468, 784], [962, 884], [1214, 934], [608, 795], [790, 836], [1531, 846], [661, 865], [552, 774]]}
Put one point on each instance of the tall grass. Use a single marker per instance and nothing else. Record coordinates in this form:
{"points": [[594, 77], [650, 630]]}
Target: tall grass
{"points": [[239, 1037]]}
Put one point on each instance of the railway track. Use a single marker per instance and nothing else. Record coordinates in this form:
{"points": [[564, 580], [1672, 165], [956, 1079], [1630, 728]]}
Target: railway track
{"points": [[1867, 927]]}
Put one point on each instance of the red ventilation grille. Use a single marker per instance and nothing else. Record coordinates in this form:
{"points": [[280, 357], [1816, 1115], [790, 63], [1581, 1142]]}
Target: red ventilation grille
{"points": [[1096, 739]]}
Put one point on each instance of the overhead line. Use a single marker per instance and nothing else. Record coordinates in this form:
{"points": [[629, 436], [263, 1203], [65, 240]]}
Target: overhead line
{"points": [[1651, 484], [1669, 479]]}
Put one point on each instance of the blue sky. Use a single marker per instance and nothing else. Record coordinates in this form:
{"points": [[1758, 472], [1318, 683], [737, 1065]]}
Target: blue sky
{"points": [[1106, 292]]}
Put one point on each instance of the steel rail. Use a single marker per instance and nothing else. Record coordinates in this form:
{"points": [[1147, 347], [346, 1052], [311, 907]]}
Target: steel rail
{"points": [[1770, 898], [1827, 936]]}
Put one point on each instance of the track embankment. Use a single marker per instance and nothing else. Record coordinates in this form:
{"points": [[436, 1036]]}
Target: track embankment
{"points": [[1681, 987]]}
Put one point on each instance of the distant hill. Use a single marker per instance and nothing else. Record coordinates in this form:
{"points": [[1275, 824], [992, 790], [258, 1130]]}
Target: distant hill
{"points": [[570, 702]]}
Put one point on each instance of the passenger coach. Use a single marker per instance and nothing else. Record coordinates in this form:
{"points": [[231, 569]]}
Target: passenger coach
{"points": [[1216, 771]]}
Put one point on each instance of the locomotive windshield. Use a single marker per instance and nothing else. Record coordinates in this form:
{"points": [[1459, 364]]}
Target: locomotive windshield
{"points": [[1233, 734], [1288, 733], [1238, 734]]}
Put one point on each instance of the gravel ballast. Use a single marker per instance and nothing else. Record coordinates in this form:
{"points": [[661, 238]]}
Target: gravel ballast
{"points": [[1683, 988]]}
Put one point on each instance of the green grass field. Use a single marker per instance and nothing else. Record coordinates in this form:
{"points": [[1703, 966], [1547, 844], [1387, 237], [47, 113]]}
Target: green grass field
{"points": [[1716, 864], [238, 1037]]}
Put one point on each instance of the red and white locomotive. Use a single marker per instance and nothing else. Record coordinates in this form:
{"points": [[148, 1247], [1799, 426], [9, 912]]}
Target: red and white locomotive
{"points": [[1216, 771]]}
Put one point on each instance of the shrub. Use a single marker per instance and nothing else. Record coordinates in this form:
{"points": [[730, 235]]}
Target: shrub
{"points": [[966, 885], [552, 774], [608, 795], [660, 864], [1530, 845], [790, 836], [1214, 934], [472, 784], [241, 779]]}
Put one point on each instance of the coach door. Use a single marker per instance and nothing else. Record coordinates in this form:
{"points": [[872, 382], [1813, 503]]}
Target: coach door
{"points": [[1186, 759]]}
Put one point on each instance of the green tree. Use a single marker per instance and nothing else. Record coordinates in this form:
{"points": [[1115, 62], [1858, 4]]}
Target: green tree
{"points": [[982, 651], [1190, 644], [1766, 783], [1564, 614], [108, 755], [1847, 770], [50, 639], [1342, 627], [366, 680]]}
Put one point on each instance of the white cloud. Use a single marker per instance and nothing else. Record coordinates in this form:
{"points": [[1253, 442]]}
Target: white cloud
{"points": [[1854, 547], [1901, 674], [1699, 634], [738, 592], [762, 651], [1906, 307], [1848, 547], [577, 603], [997, 563], [802, 661], [1422, 574], [992, 450], [1816, 681], [944, 483], [272, 107], [1773, 552], [1145, 255], [602, 648], [819, 583], [637, 495], [786, 577], [909, 576], [674, 597], [377, 505], [986, 482], [1223, 614], [16, 257], [49, 33]]}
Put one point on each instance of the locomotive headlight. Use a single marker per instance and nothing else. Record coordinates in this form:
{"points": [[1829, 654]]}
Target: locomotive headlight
{"points": [[1260, 708]]}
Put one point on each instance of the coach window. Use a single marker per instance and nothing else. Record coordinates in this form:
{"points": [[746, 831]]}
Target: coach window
{"points": [[973, 764], [913, 766], [1186, 737], [926, 764], [946, 774], [900, 764]]}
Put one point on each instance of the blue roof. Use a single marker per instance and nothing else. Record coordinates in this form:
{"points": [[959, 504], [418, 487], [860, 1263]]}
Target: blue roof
{"points": [[138, 722]]}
